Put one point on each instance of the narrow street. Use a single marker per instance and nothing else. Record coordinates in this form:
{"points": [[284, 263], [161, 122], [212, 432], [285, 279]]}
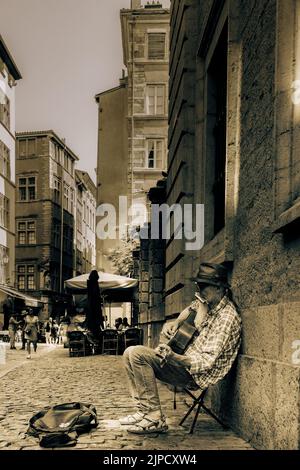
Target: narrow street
{"points": [[52, 377]]}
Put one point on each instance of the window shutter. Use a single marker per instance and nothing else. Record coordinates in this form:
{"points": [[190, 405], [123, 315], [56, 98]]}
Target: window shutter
{"points": [[156, 46]]}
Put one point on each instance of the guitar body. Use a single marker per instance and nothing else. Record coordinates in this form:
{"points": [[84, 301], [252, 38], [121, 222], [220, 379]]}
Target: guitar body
{"points": [[182, 338]]}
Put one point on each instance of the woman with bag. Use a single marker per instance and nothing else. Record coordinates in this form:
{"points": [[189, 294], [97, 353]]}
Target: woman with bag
{"points": [[31, 331]]}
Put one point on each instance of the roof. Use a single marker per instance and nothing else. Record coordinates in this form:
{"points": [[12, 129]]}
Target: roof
{"points": [[87, 181], [8, 60], [112, 90], [50, 133]]}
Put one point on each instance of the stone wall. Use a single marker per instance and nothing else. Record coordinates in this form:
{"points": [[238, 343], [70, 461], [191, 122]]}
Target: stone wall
{"points": [[260, 396]]}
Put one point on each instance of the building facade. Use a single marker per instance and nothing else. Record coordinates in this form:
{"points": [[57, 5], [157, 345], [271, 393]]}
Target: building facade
{"points": [[112, 164], [45, 217], [85, 223], [9, 75], [234, 127], [145, 36]]}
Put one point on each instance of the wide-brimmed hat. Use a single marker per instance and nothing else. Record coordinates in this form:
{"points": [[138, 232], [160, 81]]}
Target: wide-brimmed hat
{"points": [[212, 274]]}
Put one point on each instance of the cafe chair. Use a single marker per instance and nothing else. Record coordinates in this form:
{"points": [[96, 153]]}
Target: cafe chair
{"points": [[132, 337], [110, 341], [78, 344]]}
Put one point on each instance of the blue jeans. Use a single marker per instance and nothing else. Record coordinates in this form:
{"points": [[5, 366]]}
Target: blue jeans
{"points": [[143, 367]]}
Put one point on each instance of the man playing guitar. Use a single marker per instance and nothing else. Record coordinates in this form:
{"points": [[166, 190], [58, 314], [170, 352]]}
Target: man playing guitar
{"points": [[202, 355]]}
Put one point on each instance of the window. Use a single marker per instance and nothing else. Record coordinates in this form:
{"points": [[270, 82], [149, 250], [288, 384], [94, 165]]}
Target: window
{"points": [[155, 99], [287, 105], [4, 211], [79, 219], [57, 190], [66, 161], [154, 153], [156, 46], [87, 216], [27, 188], [4, 160], [217, 130], [30, 277], [68, 239], [31, 147], [22, 148], [52, 149], [72, 200], [55, 278], [26, 232], [66, 197], [4, 258], [26, 277], [70, 166], [56, 234], [4, 109]]}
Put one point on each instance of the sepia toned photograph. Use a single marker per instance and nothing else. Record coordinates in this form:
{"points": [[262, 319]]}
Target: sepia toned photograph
{"points": [[149, 229]]}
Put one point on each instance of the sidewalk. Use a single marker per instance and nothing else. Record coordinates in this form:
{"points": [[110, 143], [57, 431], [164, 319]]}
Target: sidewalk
{"points": [[52, 377], [17, 357]]}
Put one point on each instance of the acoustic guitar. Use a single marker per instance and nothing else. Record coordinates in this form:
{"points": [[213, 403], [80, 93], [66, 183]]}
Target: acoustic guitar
{"points": [[182, 336]]}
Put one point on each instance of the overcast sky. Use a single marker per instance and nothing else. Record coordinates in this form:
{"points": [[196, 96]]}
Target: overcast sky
{"points": [[67, 51]]}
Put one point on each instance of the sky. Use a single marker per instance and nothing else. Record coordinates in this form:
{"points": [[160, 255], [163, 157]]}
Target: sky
{"points": [[67, 52]]}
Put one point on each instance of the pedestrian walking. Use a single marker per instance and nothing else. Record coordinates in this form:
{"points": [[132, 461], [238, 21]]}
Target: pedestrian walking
{"points": [[54, 331], [22, 325], [31, 331], [48, 332], [12, 330]]}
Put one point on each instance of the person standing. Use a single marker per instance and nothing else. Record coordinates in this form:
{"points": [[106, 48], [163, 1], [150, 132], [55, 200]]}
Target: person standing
{"points": [[12, 330], [31, 331], [94, 317], [22, 325], [8, 310]]}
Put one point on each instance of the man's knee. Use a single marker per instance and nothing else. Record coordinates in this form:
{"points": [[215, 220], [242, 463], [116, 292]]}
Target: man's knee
{"points": [[134, 352]]}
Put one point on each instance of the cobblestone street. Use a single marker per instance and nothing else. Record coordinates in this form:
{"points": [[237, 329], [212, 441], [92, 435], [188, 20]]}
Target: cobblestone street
{"points": [[51, 377]]}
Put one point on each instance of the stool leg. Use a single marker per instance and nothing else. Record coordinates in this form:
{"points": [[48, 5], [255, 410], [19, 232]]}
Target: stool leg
{"points": [[210, 413], [196, 417], [189, 411]]}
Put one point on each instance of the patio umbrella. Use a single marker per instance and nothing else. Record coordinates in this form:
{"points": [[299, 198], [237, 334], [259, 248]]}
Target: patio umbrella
{"points": [[115, 288]]}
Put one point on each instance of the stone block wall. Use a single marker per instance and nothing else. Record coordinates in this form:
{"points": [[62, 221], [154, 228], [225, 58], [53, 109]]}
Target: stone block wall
{"points": [[260, 396]]}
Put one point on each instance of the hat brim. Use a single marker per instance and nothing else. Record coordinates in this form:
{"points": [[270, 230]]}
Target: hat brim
{"points": [[211, 282]]}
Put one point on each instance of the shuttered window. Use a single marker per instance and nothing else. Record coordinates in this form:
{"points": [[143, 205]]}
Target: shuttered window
{"points": [[156, 46]]}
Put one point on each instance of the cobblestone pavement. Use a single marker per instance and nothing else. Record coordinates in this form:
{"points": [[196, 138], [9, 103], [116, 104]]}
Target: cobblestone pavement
{"points": [[52, 377]]}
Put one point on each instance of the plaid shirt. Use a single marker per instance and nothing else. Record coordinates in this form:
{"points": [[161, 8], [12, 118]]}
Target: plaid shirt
{"points": [[214, 350]]}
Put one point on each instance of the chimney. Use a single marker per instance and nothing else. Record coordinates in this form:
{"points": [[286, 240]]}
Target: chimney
{"points": [[136, 4]]}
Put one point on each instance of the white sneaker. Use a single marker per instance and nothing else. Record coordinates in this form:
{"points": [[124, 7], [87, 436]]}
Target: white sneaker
{"points": [[29, 356]]}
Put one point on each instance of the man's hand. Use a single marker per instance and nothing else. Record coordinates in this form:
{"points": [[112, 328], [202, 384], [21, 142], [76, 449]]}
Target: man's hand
{"points": [[169, 329], [165, 353]]}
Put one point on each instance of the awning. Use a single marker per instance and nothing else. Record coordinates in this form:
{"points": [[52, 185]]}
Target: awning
{"points": [[28, 300], [115, 288]]}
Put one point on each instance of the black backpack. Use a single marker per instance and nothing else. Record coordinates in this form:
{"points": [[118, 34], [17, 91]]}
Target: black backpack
{"points": [[59, 426]]}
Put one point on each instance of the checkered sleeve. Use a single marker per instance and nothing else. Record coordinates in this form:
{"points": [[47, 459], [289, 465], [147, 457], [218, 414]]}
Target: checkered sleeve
{"points": [[225, 336]]}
